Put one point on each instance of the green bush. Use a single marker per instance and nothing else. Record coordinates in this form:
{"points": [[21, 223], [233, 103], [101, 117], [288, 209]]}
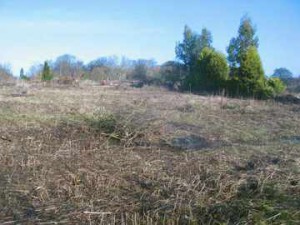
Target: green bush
{"points": [[270, 88], [277, 85], [106, 123], [211, 72], [264, 91], [249, 80]]}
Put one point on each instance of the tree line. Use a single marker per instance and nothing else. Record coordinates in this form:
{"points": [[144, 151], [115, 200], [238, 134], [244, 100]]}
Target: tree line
{"points": [[198, 68], [241, 73], [102, 68]]}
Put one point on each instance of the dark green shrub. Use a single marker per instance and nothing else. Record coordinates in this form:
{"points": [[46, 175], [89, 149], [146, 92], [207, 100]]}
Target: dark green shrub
{"points": [[250, 81], [137, 84], [211, 72], [251, 73], [106, 123], [46, 74]]}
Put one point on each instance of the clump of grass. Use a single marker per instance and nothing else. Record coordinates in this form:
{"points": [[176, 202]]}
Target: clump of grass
{"points": [[231, 106], [103, 122], [129, 129]]}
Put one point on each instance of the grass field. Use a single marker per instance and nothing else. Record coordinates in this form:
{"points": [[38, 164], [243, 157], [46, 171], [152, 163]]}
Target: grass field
{"points": [[95, 155]]}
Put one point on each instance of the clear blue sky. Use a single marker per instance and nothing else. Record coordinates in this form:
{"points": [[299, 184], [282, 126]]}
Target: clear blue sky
{"points": [[35, 30]]}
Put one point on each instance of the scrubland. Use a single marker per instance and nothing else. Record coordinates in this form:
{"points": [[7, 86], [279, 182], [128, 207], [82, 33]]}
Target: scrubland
{"points": [[96, 155]]}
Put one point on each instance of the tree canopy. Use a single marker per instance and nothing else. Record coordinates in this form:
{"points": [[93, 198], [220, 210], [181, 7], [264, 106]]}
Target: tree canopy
{"points": [[282, 73], [251, 72], [212, 71], [191, 46], [242, 74], [67, 65], [246, 38]]}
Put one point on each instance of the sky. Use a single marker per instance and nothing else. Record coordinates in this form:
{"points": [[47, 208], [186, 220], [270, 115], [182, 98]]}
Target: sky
{"points": [[33, 31]]}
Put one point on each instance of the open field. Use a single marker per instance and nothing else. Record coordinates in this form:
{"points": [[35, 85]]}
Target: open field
{"points": [[94, 155]]}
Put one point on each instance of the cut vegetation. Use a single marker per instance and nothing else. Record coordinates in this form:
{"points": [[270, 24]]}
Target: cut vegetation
{"points": [[93, 155]]}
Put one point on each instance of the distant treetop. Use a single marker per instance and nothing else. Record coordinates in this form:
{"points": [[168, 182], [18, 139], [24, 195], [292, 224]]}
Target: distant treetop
{"points": [[282, 73], [246, 38]]}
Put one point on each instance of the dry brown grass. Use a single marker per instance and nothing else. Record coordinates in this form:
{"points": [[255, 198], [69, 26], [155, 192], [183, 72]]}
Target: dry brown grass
{"points": [[92, 155]]}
